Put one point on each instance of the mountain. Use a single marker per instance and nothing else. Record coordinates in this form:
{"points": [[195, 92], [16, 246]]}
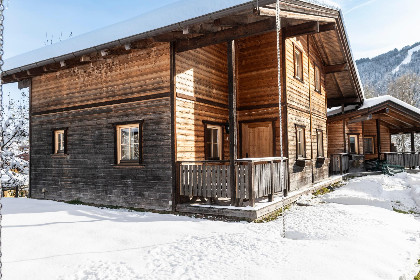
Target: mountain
{"points": [[396, 70]]}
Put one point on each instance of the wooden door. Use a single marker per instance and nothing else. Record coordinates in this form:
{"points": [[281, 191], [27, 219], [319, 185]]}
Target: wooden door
{"points": [[257, 139]]}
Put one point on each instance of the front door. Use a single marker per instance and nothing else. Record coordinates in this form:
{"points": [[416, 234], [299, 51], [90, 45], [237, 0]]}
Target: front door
{"points": [[257, 139]]}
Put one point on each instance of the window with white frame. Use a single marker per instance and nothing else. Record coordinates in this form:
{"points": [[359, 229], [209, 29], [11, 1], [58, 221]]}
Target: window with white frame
{"points": [[59, 141], [300, 142], [317, 79], [298, 61], [319, 143], [213, 142], [353, 144], [128, 143]]}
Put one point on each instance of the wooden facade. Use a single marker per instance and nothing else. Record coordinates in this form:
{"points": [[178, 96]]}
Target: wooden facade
{"points": [[89, 100], [372, 126], [204, 105]]}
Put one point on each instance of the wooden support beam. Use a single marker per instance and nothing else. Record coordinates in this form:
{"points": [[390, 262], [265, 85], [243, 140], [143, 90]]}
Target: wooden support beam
{"points": [[104, 52], [360, 119], [85, 58], [236, 20], [401, 123], [201, 28], [171, 37], [333, 102], [175, 167], [329, 69], [306, 28], [344, 131], [378, 135], [227, 35], [292, 15], [389, 124], [142, 44], [413, 146], [381, 111], [24, 84], [327, 27], [232, 116]]}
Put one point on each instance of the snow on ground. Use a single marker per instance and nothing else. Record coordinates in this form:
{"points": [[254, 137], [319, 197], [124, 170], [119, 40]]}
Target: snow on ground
{"points": [[407, 59], [350, 233]]}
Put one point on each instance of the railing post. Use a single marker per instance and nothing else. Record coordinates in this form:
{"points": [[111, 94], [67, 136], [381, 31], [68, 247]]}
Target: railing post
{"points": [[403, 156], [251, 191], [341, 164], [287, 179], [178, 183], [271, 194]]}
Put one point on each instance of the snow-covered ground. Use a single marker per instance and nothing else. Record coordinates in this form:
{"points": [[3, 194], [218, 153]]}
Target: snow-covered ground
{"points": [[351, 233]]}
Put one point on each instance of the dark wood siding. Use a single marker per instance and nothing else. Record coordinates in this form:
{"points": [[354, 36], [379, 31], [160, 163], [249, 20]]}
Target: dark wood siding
{"points": [[88, 100]]}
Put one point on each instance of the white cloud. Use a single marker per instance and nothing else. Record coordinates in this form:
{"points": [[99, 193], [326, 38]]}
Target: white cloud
{"points": [[359, 6]]}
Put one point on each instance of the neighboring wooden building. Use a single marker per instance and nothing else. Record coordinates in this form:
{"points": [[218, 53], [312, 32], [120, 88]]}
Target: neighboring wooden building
{"points": [[189, 109], [365, 132]]}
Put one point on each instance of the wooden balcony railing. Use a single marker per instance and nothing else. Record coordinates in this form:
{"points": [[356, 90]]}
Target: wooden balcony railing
{"points": [[255, 178], [339, 163], [406, 160]]}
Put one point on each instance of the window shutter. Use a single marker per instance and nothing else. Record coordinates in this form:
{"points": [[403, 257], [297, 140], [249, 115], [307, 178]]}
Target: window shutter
{"points": [[140, 142], [53, 141], [65, 141], [115, 144]]}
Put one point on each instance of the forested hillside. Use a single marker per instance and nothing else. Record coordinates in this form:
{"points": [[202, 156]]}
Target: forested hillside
{"points": [[396, 72]]}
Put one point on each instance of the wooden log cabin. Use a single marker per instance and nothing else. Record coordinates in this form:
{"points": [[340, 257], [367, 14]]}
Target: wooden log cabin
{"points": [[187, 107], [360, 134]]}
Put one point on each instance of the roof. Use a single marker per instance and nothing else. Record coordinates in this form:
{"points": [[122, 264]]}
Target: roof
{"points": [[373, 102], [123, 32]]}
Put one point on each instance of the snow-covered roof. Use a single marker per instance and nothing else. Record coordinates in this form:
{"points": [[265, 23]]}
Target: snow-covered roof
{"points": [[371, 102], [169, 15]]}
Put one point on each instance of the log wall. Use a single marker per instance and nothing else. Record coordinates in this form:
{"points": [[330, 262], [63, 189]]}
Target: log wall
{"points": [[88, 100], [367, 129], [202, 90], [257, 82], [306, 108]]}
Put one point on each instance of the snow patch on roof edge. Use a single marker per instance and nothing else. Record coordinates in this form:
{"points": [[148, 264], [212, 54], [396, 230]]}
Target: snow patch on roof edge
{"points": [[371, 102], [174, 13]]}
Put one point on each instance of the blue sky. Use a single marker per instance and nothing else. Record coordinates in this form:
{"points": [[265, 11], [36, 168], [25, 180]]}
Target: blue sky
{"points": [[373, 26]]}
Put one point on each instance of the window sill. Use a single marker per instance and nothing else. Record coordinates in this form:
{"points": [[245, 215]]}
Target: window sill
{"points": [[303, 159], [299, 79], [301, 162], [59, 155], [128, 165]]}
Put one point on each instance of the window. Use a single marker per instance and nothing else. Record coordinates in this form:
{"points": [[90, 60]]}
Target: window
{"points": [[213, 142], [128, 143], [368, 145], [59, 141], [300, 142], [353, 144], [317, 79], [298, 64], [319, 143]]}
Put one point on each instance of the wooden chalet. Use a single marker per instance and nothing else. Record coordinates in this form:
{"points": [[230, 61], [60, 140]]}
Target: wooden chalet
{"points": [[357, 134], [188, 109]]}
